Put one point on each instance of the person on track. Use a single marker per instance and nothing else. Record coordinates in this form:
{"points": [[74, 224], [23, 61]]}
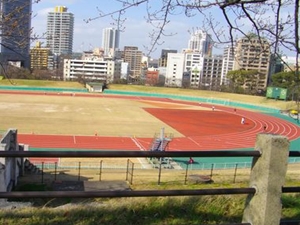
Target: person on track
{"points": [[243, 120]]}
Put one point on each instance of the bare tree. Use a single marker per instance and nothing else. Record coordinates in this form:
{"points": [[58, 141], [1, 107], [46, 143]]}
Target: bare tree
{"points": [[16, 33], [274, 20]]}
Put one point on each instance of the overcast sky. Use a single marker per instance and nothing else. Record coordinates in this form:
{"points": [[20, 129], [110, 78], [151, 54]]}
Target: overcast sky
{"points": [[135, 32]]}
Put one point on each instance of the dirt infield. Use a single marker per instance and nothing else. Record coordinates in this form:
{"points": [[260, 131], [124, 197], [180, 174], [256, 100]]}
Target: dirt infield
{"points": [[77, 115]]}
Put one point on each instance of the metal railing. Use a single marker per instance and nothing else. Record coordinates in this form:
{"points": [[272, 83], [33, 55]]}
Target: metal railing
{"points": [[251, 192]]}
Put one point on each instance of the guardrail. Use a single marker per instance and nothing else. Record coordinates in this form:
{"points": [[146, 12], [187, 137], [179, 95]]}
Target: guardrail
{"points": [[263, 205]]}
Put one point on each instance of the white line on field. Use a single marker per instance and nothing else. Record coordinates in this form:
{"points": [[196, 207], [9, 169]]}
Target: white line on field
{"points": [[143, 166], [139, 145]]}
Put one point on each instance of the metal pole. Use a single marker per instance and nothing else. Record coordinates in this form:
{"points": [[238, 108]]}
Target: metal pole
{"points": [[42, 172], [126, 193], [127, 170], [236, 165], [211, 170], [161, 149], [55, 170], [159, 172], [162, 137], [186, 173], [79, 167], [131, 180], [100, 170]]}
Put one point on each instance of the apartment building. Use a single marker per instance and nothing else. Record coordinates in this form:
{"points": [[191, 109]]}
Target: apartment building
{"points": [[175, 69], [121, 70], [163, 60], [212, 72], [60, 29], [193, 66], [253, 53], [87, 69], [134, 59], [227, 64], [39, 57]]}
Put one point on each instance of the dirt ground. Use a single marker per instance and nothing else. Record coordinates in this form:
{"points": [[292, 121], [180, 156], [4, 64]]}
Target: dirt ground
{"points": [[116, 179], [42, 114], [139, 163]]}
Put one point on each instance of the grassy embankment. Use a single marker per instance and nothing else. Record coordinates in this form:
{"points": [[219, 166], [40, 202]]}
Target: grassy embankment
{"points": [[156, 210], [41, 83], [226, 209], [284, 105]]}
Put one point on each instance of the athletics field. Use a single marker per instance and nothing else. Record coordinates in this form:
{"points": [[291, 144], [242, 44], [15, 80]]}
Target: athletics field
{"points": [[119, 122]]}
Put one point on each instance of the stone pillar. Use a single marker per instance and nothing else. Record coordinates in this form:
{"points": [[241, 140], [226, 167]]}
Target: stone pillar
{"points": [[267, 176], [22, 147], [2, 178]]}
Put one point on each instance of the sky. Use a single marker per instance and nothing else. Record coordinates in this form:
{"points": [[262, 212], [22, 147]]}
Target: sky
{"points": [[89, 35], [135, 29]]}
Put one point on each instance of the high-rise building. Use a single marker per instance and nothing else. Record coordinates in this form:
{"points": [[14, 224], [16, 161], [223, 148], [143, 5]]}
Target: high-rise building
{"points": [[15, 32], [212, 70], [163, 60], [253, 53], [134, 58], [194, 66], [204, 71], [121, 70], [39, 57], [201, 42], [175, 69], [227, 64], [60, 28], [110, 41]]}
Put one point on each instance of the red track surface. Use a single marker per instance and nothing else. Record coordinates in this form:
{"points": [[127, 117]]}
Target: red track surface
{"points": [[203, 130]]}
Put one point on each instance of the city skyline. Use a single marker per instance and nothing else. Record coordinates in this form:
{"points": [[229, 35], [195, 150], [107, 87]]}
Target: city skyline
{"points": [[135, 30]]}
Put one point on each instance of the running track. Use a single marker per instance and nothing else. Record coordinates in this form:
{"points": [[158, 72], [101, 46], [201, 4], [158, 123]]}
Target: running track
{"points": [[232, 140]]}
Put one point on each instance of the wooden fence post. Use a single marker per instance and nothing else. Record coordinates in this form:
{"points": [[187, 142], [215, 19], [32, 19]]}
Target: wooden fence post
{"points": [[267, 177]]}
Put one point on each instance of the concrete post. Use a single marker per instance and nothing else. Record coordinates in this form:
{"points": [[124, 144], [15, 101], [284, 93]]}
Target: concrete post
{"points": [[22, 147], [267, 176], [2, 178]]}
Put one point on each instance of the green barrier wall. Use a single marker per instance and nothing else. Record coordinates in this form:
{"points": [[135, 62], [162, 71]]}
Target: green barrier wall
{"points": [[196, 99]]}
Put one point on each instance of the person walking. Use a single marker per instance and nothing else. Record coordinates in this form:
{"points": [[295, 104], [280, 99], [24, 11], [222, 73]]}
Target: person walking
{"points": [[265, 127], [191, 160], [243, 120]]}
